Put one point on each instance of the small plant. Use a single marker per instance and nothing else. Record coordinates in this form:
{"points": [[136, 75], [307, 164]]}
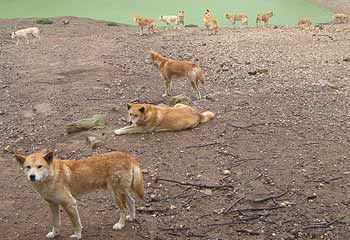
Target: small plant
{"points": [[44, 21], [111, 24]]}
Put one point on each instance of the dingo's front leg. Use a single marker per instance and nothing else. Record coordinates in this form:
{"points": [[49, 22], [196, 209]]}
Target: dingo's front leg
{"points": [[71, 208], [129, 130], [56, 220]]}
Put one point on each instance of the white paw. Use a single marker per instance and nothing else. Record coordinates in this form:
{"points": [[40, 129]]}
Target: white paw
{"points": [[118, 132], [52, 234], [130, 218], [118, 226], [76, 235]]}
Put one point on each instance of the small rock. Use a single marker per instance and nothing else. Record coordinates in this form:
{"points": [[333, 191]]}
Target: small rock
{"points": [[144, 171], [65, 22], [94, 142], [227, 172], [252, 72], [347, 59], [207, 192]]}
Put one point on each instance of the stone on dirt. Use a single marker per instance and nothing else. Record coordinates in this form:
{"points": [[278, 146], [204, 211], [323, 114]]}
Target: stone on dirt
{"points": [[179, 99], [97, 121]]}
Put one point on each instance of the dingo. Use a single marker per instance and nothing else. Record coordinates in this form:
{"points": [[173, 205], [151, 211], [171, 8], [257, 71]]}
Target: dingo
{"points": [[210, 23], [181, 18], [145, 22], [263, 18], [341, 17], [59, 182], [304, 22], [146, 118], [172, 69], [23, 33], [233, 17]]}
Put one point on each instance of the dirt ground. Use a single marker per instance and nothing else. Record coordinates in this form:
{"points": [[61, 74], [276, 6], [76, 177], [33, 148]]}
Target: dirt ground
{"points": [[273, 164]]}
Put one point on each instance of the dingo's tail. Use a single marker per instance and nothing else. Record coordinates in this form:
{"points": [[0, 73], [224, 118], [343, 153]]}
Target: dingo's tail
{"points": [[206, 116], [200, 75], [137, 181]]}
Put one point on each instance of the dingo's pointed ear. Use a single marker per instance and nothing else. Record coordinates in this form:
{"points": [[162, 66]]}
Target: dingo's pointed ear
{"points": [[129, 106], [49, 157], [20, 159], [142, 109]]}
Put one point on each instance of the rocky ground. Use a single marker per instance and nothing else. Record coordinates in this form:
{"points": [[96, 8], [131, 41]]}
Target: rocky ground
{"points": [[273, 164]]}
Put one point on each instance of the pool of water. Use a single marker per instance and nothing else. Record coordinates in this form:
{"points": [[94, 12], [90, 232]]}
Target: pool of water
{"points": [[287, 12]]}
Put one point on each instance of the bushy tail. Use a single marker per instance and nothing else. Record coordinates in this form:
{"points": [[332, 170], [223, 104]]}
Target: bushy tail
{"points": [[206, 116], [137, 181], [200, 75]]}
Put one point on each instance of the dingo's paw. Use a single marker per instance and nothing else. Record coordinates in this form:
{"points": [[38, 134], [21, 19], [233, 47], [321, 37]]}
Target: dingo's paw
{"points": [[52, 234], [118, 226]]}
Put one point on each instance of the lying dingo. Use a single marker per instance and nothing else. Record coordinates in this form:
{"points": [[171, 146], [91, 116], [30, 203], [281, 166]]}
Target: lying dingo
{"points": [[145, 118]]}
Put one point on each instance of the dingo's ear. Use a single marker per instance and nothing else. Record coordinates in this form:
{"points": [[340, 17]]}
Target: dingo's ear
{"points": [[142, 109], [20, 159], [49, 157], [129, 106]]}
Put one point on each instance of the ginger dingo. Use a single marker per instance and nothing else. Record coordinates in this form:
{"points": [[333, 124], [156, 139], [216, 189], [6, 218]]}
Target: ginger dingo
{"points": [[341, 17], [236, 17], [172, 69], [145, 22], [59, 182], [210, 23], [263, 18], [145, 118]]}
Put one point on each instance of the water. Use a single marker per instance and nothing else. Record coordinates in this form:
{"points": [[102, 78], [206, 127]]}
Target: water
{"points": [[287, 12]]}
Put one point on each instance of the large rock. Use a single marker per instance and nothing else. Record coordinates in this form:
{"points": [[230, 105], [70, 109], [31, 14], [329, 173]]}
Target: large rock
{"points": [[97, 121], [179, 99]]}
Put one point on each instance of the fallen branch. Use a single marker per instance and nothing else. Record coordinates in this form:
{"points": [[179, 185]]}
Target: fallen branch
{"points": [[274, 196], [151, 211], [200, 185], [249, 126], [250, 232], [203, 145], [323, 225], [257, 209], [234, 204]]}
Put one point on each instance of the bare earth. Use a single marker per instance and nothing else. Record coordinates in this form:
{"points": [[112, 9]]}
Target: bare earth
{"points": [[276, 156]]}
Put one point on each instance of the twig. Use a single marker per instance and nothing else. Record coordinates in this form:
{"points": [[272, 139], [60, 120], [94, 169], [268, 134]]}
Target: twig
{"points": [[234, 204], [323, 225], [258, 200], [257, 209], [250, 232], [200, 185], [203, 145], [151, 211], [173, 197], [249, 126]]}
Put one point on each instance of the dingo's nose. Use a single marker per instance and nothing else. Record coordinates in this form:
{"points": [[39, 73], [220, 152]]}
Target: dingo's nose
{"points": [[32, 177]]}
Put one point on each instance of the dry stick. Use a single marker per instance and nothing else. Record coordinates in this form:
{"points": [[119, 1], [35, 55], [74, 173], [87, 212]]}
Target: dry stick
{"points": [[323, 225], [204, 145], [257, 209], [249, 126], [151, 211], [258, 200], [250, 232], [234, 204], [194, 184]]}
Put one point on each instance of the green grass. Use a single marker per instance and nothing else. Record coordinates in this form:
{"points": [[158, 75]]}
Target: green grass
{"points": [[111, 24], [44, 21]]}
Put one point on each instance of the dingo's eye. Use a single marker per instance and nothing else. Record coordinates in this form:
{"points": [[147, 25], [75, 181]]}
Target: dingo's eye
{"points": [[40, 166], [27, 167]]}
